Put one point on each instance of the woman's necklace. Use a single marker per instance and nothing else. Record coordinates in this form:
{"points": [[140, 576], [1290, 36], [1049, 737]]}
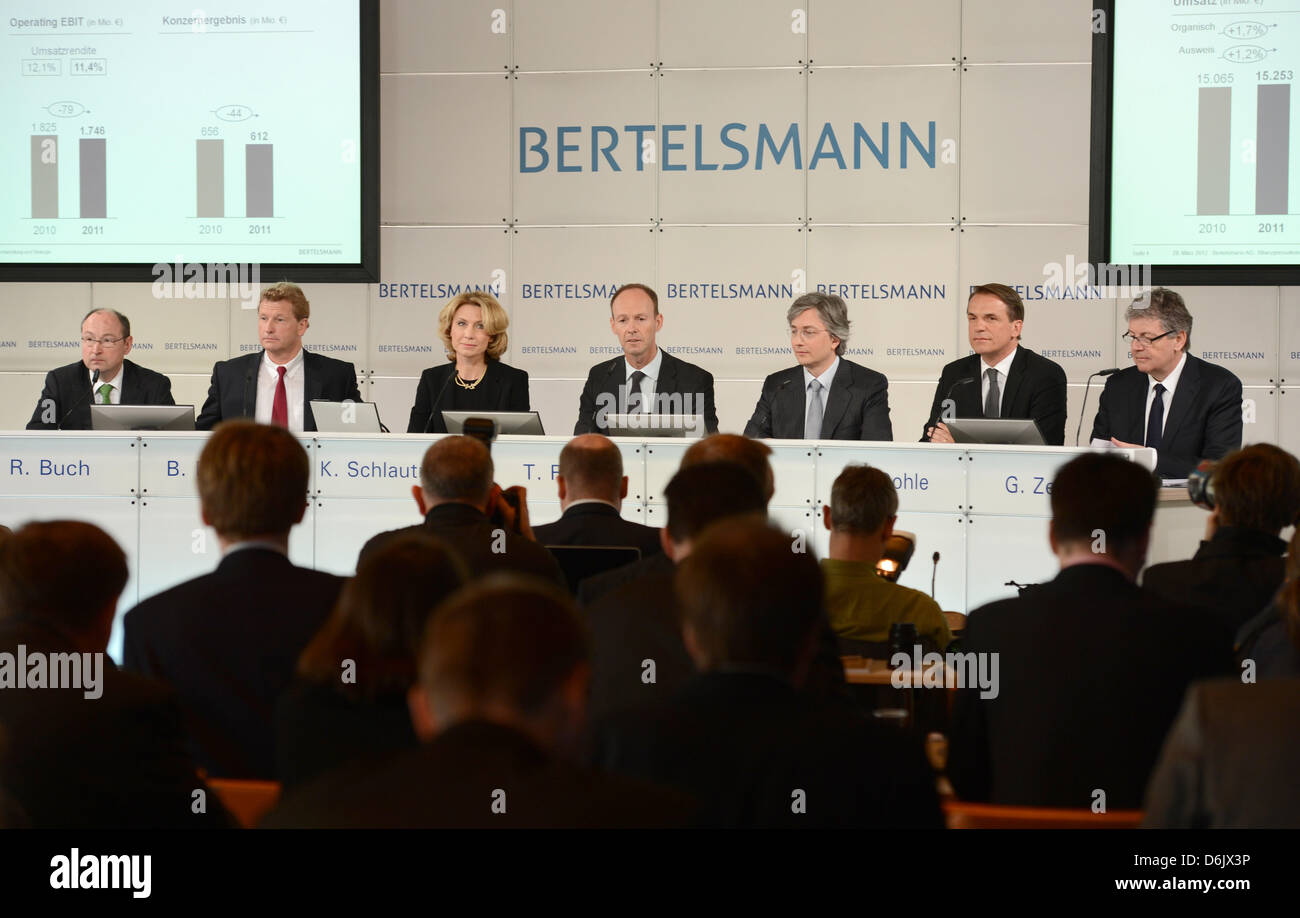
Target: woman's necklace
{"points": [[465, 384]]}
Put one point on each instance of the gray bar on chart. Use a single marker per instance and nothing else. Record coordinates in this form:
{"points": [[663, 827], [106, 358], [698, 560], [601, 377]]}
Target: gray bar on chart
{"points": [[210, 176], [1213, 149], [94, 179], [1272, 148], [45, 176], [259, 192]]}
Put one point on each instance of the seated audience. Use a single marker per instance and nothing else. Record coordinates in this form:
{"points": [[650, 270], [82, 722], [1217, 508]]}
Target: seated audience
{"points": [[1238, 568], [1231, 759], [349, 697], [464, 509], [498, 708], [739, 736], [637, 621], [592, 486], [1090, 671], [1271, 640], [228, 641], [862, 605], [105, 748]]}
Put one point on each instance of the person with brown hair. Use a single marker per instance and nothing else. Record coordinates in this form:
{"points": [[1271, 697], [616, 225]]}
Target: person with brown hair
{"points": [[1002, 378], [1271, 639], [107, 750], [349, 697], [472, 329], [1240, 565], [228, 641], [499, 705], [276, 385]]}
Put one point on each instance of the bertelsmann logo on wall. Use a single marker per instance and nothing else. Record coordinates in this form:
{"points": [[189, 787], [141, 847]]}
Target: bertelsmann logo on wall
{"points": [[725, 148]]}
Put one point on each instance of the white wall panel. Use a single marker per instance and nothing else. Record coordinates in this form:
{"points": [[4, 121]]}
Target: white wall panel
{"points": [[1026, 30], [853, 32], [584, 34], [416, 36], [176, 333], [42, 325], [729, 33]]}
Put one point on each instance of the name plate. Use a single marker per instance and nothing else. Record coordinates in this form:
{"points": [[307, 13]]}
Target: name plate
{"points": [[168, 461], [1015, 482], [57, 464], [930, 478]]}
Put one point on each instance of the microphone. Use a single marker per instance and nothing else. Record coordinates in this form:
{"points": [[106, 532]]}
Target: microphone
{"points": [[934, 418], [1084, 406], [934, 572], [429, 423], [243, 407], [94, 378]]}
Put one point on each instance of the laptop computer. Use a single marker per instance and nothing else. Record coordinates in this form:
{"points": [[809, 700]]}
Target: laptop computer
{"points": [[507, 422], [648, 424], [141, 417], [346, 417], [1016, 431]]}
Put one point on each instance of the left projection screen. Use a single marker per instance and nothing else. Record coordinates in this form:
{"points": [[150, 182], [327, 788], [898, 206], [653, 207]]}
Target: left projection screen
{"points": [[141, 133]]}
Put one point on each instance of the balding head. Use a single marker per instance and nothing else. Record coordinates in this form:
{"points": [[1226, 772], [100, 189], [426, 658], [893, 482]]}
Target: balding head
{"points": [[750, 454], [456, 470], [591, 468]]}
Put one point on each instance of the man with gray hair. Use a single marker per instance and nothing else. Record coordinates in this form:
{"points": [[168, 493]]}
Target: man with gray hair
{"points": [[1179, 405], [826, 397], [486, 526], [103, 376]]}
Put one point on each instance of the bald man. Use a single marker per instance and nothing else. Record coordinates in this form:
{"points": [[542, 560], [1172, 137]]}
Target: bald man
{"points": [[592, 487]]}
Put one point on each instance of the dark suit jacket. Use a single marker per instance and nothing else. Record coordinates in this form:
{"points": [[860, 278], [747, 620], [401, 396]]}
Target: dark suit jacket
{"points": [[116, 761], [607, 381], [1232, 576], [233, 392], [744, 743], [1231, 759], [1265, 641], [68, 388], [453, 781], [320, 727], [229, 642], [1090, 676], [1035, 388], [857, 407], [1203, 422], [503, 389], [468, 532], [599, 524]]}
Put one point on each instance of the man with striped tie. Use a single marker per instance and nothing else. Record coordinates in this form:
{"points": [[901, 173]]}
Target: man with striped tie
{"points": [[103, 376]]}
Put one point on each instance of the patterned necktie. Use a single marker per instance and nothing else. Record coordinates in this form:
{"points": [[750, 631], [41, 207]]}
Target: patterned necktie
{"points": [[1156, 419], [812, 428], [634, 399], [994, 397], [280, 407], [104, 392]]}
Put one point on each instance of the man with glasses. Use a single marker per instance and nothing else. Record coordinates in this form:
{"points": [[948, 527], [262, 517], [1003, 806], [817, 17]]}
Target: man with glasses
{"points": [[1179, 405], [103, 376], [826, 397]]}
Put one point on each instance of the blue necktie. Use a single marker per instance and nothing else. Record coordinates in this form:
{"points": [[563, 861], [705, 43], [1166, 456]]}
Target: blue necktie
{"points": [[1156, 420]]}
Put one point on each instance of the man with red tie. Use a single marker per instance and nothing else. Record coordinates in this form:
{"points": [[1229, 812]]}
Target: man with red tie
{"points": [[277, 385]]}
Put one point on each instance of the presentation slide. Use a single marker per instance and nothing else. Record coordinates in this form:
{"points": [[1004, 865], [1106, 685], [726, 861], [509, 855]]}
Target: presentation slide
{"points": [[147, 132], [1203, 135]]}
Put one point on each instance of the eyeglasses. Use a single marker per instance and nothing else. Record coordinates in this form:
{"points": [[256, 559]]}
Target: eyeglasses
{"points": [[1144, 340], [807, 334], [107, 340]]}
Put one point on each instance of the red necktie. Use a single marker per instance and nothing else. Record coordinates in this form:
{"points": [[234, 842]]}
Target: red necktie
{"points": [[280, 407]]}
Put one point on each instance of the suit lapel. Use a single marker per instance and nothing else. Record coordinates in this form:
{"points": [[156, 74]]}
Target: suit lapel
{"points": [[789, 403], [667, 381], [967, 396], [1015, 378], [131, 384], [837, 400], [1189, 387]]}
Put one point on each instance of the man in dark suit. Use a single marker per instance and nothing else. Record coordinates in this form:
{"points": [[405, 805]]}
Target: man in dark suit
{"points": [[646, 378], [228, 641], [1231, 759], [463, 508], [1179, 405], [1087, 672], [739, 736], [826, 397], [277, 384], [499, 706], [103, 376], [592, 487], [90, 746], [1001, 379], [1237, 570]]}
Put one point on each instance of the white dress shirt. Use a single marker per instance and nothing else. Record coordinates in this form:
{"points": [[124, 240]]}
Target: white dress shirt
{"points": [[649, 384], [827, 377], [1170, 382], [294, 387], [1003, 369], [115, 395]]}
